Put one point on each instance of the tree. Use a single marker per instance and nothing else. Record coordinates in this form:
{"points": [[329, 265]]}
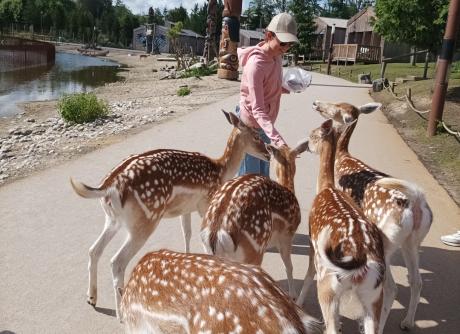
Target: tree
{"points": [[259, 13], [151, 17], [304, 11], [197, 20], [178, 14], [344, 9], [10, 11], [424, 28]]}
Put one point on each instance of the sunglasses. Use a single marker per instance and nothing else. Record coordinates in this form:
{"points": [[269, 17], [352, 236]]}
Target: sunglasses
{"points": [[282, 44]]}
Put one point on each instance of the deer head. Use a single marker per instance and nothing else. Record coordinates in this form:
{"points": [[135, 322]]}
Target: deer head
{"points": [[317, 137], [284, 162], [343, 113], [249, 136]]}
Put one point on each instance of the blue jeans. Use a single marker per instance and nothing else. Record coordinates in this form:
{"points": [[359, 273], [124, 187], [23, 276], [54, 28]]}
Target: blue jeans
{"points": [[251, 164]]}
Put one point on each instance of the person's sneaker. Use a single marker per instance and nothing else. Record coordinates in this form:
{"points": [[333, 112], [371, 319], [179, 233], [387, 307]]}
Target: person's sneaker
{"points": [[452, 239]]}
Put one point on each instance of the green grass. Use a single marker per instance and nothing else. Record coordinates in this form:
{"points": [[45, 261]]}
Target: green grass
{"points": [[82, 108], [199, 72], [393, 70], [183, 91]]}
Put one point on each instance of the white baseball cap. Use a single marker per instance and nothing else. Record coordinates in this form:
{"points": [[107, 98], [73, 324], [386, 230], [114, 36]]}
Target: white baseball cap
{"points": [[285, 28]]}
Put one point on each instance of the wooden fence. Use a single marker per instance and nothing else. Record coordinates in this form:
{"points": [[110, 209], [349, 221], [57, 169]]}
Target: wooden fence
{"points": [[17, 53], [356, 53]]}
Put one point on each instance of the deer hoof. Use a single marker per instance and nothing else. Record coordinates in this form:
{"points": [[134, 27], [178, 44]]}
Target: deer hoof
{"points": [[91, 301], [406, 325]]}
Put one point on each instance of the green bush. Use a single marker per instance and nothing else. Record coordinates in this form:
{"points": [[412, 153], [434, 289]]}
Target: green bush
{"points": [[82, 107], [199, 72], [456, 67], [183, 91]]}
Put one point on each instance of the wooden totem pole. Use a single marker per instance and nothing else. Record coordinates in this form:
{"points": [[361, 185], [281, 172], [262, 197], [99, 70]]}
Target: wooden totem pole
{"points": [[228, 59]]}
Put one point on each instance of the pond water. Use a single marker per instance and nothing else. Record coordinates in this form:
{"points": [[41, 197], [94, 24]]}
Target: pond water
{"points": [[71, 73]]}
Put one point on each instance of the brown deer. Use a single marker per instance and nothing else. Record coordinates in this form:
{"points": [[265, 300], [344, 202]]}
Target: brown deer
{"points": [[397, 207], [160, 183], [348, 248], [172, 293], [251, 213]]}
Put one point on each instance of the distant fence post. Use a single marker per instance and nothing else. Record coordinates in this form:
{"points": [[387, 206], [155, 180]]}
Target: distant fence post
{"points": [[425, 69], [383, 68]]}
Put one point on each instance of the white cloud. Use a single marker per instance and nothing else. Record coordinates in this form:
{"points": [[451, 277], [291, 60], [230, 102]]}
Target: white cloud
{"points": [[142, 6]]}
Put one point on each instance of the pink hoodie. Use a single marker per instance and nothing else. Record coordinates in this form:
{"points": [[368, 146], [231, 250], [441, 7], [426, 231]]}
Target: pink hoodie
{"points": [[260, 90]]}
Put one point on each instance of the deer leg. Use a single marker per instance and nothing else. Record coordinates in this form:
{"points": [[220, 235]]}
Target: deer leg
{"points": [[186, 223], [285, 249], [329, 297], [308, 277], [411, 258], [389, 294], [120, 260], [110, 229], [372, 302]]}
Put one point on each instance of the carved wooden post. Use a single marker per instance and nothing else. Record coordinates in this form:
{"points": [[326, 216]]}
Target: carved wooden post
{"points": [[210, 45], [228, 59]]}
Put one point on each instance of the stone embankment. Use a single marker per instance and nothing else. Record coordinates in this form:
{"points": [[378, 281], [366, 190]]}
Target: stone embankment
{"points": [[33, 144]]}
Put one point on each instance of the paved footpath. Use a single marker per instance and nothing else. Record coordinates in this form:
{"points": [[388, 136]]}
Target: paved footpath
{"points": [[46, 229]]}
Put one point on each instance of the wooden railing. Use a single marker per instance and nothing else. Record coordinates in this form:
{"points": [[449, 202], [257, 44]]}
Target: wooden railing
{"points": [[356, 52], [17, 53]]}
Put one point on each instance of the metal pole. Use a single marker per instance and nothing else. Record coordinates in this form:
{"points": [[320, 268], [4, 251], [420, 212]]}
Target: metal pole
{"points": [[444, 62], [331, 43]]}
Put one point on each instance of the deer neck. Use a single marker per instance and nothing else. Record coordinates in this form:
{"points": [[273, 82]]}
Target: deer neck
{"points": [[285, 178], [326, 166], [231, 159], [344, 140]]}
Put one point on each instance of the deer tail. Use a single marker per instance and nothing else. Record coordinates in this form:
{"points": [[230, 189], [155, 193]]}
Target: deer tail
{"points": [[335, 260], [86, 191]]}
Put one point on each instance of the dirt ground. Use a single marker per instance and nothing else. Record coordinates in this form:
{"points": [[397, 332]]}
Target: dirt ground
{"points": [[140, 99], [439, 154]]}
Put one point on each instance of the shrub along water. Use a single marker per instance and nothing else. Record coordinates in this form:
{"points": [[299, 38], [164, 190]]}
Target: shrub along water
{"points": [[183, 91], [82, 107]]}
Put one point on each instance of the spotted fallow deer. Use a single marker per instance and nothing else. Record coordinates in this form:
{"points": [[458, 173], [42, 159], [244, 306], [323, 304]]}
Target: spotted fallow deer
{"points": [[251, 213], [398, 207], [172, 293], [348, 248], [161, 183]]}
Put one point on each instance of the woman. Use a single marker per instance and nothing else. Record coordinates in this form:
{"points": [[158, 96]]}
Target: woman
{"points": [[261, 89]]}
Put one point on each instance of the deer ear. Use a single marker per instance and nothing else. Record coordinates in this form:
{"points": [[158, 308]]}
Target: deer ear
{"points": [[231, 118], [301, 147], [273, 150], [326, 127], [369, 107]]}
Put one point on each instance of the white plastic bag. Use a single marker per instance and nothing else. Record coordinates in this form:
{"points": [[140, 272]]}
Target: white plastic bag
{"points": [[295, 79]]}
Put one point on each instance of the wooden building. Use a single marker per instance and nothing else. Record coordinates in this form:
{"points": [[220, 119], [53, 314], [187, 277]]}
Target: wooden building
{"points": [[188, 39], [323, 35], [250, 37], [362, 43]]}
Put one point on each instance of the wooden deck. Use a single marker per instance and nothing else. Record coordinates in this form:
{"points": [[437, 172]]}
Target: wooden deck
{"points": [[356, 53]]}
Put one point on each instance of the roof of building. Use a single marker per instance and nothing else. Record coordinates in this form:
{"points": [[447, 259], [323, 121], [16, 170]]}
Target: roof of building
{"points": [[252, 33], [184, 32], [191, 33], [339, 23], [360, 13]]}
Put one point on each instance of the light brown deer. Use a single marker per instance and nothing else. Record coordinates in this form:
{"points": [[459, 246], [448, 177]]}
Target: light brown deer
{"points": [[348, 249], [251, 213], [170, 293], [161, 183], [398, 207]]}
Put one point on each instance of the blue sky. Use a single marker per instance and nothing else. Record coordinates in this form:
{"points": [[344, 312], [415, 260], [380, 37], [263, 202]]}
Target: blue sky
{"points": [[142, 6]]}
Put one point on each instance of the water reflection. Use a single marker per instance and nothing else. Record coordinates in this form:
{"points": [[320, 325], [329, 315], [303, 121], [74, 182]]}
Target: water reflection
{"points": [[70, 74]]}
